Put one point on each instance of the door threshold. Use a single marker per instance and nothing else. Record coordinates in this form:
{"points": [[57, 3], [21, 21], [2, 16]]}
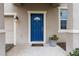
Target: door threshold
{"points": [[37, 45]]}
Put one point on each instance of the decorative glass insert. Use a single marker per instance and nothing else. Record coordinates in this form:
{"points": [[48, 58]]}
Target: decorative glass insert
{"points": [[36, 18], [63, 18]]}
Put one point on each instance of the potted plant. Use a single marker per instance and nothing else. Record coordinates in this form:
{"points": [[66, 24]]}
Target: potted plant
{"points": [[74, 52], [52, 40]]}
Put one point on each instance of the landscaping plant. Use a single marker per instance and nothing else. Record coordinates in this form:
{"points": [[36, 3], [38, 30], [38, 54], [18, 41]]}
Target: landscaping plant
{"points": [[75, 52]]}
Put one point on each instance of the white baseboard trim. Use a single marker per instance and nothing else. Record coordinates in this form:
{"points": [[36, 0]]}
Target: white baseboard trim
{"points": [[74, 31], [2, 31], [9, 43], [9, 14], [68, 31]]}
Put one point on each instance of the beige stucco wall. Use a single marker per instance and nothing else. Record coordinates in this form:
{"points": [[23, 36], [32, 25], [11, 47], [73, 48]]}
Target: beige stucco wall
{"points": [[1, 16], [73, 22], [9, 29], [69, 40], [76, 25], [2, 34], [22, 24]]}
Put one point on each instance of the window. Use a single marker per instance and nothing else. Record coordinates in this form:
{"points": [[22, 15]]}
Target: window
{"points": [[63, 17]]}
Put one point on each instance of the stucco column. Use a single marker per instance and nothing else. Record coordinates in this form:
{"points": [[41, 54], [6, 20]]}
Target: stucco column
{"points": [[76, 25], [15, 20], [73, 26]]}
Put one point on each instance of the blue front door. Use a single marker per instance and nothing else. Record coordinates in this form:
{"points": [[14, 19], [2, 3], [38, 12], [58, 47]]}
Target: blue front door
{"points": [[37, 27]]}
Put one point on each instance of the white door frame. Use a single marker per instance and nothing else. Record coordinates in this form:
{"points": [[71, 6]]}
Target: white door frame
{"points": [[29, 27]]}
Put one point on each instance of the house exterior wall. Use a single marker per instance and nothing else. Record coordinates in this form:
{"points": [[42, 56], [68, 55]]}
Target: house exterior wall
{"points": [[2, 34], [75, 25], [1, 16], [9, 31], [69, 41], [22, 24]]}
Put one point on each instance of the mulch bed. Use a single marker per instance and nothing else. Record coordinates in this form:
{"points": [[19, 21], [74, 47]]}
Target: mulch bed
{"points": [[8, 47], [62, 45]]}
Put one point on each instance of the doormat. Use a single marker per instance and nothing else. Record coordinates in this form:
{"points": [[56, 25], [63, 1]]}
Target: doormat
{"points": [[37, 45]]}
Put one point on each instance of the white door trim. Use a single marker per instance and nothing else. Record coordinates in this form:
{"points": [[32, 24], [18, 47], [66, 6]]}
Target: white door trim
{"points": [[29, 26]]}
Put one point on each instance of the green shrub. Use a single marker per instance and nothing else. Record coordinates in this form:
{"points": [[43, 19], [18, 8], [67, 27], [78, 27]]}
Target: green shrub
{"points": [[75, 52], [54, 37]]}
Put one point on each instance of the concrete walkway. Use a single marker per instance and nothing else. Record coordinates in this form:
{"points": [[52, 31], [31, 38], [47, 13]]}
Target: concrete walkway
{"points": [[36, 51]]}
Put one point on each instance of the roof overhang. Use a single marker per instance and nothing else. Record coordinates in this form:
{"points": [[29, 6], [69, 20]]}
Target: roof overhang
{"points": [[50, 4]]}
